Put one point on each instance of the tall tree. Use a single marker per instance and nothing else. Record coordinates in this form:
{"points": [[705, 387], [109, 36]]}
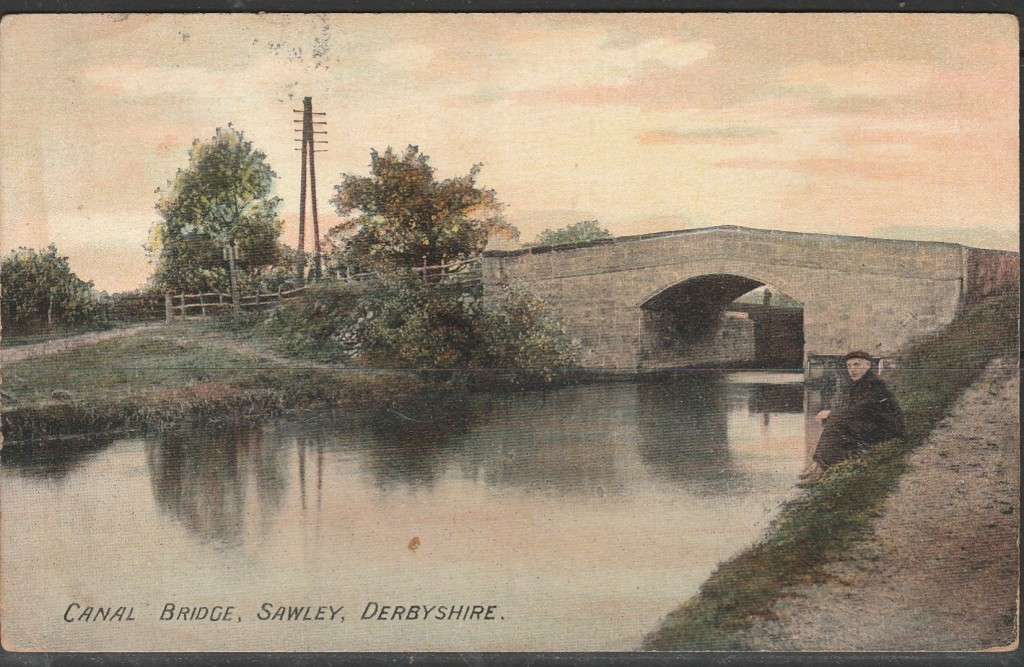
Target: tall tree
{"points": [[401, 215], [223, 197]]}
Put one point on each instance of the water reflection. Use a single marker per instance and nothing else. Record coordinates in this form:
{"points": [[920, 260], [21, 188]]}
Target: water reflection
{"points": [[228, 485], [684, 433], [211, 480], [55, 459], [567, 442], [400, 450], [783, 397]]}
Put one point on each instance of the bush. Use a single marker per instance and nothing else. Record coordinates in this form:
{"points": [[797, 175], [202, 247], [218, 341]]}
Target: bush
{"points": [[403, 323], [306, 326], [438, 327], [520, 334]]}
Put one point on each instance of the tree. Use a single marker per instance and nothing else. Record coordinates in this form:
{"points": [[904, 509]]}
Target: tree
{"points": [[401, 216], [223, 197], [40, 290], [587, 230]]}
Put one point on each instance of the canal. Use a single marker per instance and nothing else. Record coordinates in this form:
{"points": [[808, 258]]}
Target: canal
{"points": [[582, 515]]}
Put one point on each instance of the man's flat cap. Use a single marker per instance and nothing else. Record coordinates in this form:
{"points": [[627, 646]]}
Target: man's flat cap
{"points": [[857, 354]]}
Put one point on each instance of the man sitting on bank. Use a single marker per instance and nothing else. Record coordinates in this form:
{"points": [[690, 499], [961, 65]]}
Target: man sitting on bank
{"points": [[868, 416]]}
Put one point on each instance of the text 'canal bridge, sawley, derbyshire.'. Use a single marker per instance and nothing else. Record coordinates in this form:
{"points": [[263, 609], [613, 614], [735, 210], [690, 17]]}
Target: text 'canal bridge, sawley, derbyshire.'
{"points": [[666, 300]]}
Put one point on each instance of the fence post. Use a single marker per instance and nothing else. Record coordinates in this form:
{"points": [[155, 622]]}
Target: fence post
{"points": [[168, 307], [348, 274], [182, 295], [236, 299], [280, 300], [202, 304], [424, 268]]}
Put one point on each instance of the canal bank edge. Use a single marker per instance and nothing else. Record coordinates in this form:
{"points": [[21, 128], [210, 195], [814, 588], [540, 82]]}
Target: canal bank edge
{"points": [[816, 527], [184, 375]]}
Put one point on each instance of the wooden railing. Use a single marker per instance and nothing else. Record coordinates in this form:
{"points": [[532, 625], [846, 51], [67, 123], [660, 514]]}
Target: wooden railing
{"points": [[463, 272], [467, 270]]}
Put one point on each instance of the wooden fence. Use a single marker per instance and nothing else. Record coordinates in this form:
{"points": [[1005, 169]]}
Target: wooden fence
{"points": [[463, 271], [208, 303], [466, 272]]}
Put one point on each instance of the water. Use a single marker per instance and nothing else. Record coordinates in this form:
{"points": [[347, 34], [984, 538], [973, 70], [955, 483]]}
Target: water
{"points": [[583, 515]]}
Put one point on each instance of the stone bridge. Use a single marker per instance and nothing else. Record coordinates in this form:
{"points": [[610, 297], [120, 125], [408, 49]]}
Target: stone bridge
{"points": [[659, 300]]}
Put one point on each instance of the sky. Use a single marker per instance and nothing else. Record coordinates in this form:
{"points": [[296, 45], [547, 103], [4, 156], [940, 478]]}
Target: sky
{"points": [[894, 126]]}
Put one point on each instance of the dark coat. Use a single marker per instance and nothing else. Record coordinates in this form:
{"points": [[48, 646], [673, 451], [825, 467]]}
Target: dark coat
{"points": [[868, 414]]}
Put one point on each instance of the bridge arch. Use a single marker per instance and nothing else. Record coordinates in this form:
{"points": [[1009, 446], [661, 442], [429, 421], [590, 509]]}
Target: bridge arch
{"points": [[724, 276], [698, 322]]}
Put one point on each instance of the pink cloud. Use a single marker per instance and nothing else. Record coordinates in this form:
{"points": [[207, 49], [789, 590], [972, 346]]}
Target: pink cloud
{"points": [[866, 169], [723, 135]]}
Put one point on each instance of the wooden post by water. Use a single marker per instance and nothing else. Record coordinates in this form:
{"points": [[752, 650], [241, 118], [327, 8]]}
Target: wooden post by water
{"points": [[168, 307], [202, 304]]}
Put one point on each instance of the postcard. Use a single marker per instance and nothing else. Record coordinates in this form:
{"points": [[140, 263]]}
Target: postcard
{"points": [[509, 332]]}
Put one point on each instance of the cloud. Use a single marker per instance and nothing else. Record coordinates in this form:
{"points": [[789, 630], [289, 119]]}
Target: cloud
{"points": [[553, 62], [711, 135], [879, 169], [861, 104]]}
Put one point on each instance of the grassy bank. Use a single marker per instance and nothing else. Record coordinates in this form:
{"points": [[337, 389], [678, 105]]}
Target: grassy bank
{"points": [[819, 525], [186, 372]]}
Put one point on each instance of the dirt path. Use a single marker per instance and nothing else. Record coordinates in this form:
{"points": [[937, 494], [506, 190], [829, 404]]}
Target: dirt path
{"points": [[23, 352], [940, 572]]}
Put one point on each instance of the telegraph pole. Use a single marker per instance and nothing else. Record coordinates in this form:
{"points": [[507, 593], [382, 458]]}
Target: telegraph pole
{"points": [[309, 151]]}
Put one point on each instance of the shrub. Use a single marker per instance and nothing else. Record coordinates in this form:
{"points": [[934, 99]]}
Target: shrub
{"points": [[402, 322], [408, 323], [307, 326]]}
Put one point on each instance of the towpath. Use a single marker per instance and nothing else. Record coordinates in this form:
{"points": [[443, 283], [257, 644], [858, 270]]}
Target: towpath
{"points": [[35, 350], [940, 572]]}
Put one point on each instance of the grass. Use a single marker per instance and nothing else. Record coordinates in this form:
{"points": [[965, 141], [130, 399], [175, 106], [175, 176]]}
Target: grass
{"points": [[123, 367], [823, 522], [185, 372]]}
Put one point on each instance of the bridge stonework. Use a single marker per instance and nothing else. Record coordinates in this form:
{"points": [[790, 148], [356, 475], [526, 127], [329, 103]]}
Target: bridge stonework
{"points": [[863, 293]]}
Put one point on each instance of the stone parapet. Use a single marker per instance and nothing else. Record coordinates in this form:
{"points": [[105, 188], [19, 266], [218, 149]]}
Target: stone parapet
{"points": [[872, 294]]}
